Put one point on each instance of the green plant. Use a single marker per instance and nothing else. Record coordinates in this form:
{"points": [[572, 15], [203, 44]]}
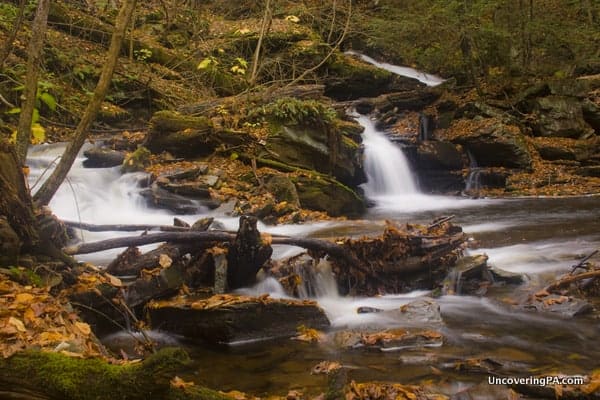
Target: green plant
{"points": [[142, 55], [294, 111], [42, 97]]}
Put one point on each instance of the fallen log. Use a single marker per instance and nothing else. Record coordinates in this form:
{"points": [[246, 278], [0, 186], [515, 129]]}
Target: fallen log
{"points": [[333, 249], [124, 227]]}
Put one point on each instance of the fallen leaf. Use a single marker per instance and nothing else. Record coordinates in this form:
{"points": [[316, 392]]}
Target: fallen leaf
{"points": [[23, 298], [83, 327], [116, 282], [165, 261], [17, 323], [177, 382]]}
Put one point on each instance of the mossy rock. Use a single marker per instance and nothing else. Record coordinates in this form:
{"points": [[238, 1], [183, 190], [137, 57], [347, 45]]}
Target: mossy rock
{"points": [[560, 116], [492, 143], [180, 135], [61, 377], [321, 193], [283, 189], [310, 148], [136, 161]]}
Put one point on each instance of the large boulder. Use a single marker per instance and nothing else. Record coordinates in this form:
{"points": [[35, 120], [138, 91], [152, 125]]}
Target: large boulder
{"points": [[232, 318], [560, 116], [188, 136], [316, 147], [492, 143], [321, 193], [438, 155]]}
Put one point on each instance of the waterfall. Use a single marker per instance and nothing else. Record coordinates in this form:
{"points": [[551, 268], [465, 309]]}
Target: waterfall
{"points": [[473, 182], [386, 167]]}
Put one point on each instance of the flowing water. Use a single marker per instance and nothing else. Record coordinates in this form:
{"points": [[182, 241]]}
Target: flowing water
{"points": [[538, 237]]}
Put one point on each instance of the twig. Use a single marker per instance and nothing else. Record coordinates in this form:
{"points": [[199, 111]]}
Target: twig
{"points": [[440, 221], [583, 261]]}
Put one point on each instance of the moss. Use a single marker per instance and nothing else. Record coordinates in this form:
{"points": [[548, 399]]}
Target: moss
{"points": [[59, 376], [136, 161]]}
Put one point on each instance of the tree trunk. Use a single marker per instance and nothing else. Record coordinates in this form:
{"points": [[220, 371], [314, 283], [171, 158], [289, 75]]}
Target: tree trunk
{"points": [[46, 192], [15, 201], [8, 46], [38, 30], [263, 32]]}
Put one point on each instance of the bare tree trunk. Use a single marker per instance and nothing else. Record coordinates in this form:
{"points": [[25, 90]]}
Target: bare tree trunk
{"points": [[263, 31], [38, 30], [46, 192], [8, 46]]}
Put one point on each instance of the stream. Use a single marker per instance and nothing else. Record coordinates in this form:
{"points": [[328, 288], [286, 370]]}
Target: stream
{"points": [[538, 237]]}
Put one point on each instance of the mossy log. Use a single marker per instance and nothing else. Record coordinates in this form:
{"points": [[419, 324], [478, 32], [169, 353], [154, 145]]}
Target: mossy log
{"points": [[40, 375]]}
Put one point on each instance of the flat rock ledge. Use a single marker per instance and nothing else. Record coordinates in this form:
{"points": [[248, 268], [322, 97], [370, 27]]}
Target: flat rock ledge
{"points": [[227, 319]]}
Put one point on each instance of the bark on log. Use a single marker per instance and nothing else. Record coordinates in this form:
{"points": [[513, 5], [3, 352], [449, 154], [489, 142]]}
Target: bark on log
{"points": [[247, 254]]}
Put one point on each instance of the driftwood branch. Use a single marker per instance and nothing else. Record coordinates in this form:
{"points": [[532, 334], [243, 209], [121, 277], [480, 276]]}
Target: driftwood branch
{"points": [[125, 228], [567, 280], [583, 261]]}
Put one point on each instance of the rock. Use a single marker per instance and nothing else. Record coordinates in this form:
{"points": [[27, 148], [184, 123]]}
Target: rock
{"points": [[560, 116], [421, 312], [233, 318], [567, 307], [283, 189], [102, 157], [591, 114], [136, 161], [161, 198], [492, 143], [591, 170], [438, 155], [309, 147], [186, 136], [440, 181], [555, 151], [390, 339], [510, 278], [154, 286], [325, 194], [186, 173], [467, 275], [198, 188]]}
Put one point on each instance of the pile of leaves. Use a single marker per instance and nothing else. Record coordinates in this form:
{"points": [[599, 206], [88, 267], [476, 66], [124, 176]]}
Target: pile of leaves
{"points": [[30, 317]]}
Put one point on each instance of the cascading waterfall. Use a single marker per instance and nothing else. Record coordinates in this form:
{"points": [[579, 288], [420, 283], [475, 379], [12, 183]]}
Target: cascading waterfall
{"points": [[388, 172]]}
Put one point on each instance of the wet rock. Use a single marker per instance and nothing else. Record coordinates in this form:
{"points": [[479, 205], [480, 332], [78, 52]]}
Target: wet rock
{"points": [[186, 173], [399, 339], [102, 157], [493, 143], [161, 198], [198, 188], [438, 155], [154, 286], [511, 278], [440, 182], [560, 116], [231, 318], [565, 306], [324, 194], [421, 312], [137, 160]]}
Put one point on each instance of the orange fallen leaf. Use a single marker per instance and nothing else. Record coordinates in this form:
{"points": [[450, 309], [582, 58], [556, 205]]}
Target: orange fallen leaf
{"points": [[23, 298], [83, 328], [17, 323], [177, 382]]}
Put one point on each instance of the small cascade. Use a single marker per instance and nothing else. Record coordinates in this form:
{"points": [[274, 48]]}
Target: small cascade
{"points": [[318, 282], [386, 167], [473, 182], [428, 79]]}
